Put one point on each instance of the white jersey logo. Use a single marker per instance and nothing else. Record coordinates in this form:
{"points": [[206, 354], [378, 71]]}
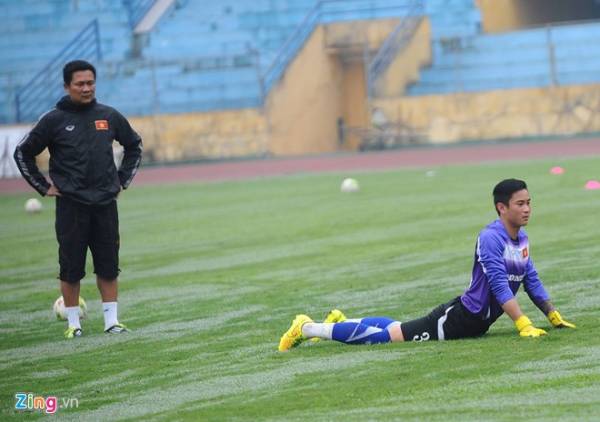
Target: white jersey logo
{"points": [[516, 254], [70, 128]]}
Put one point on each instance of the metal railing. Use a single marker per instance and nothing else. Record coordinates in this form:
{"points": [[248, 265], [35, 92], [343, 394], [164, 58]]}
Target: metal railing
{"points": [[45, 87], [325, 12], [395, 43], [290, 48], [136, 10]]}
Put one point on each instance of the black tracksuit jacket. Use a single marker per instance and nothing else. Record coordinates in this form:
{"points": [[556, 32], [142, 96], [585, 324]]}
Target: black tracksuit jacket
{"points": [[79, 139]]}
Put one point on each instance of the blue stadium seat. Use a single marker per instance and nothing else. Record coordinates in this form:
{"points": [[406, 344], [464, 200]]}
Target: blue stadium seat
{"points": [[207, 55], [516, 59], [32, 32]]}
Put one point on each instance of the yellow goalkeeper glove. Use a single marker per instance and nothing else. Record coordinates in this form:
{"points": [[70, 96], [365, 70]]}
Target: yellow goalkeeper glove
{"points": [[526, 328], [557, 321]]}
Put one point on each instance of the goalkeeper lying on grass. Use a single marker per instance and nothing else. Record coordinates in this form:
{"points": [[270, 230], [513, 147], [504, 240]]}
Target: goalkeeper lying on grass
{"points": [[501, 264]]}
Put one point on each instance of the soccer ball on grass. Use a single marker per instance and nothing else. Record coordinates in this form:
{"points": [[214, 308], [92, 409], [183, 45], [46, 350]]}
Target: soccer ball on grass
{"points": [[349, 185], [61, 312], [33, 205]]}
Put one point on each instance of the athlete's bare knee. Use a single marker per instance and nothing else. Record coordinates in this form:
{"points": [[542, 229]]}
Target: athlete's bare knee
{"points": [[395, 332]]}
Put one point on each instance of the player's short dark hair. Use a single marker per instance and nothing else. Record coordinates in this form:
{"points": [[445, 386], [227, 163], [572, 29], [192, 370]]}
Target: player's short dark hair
{"points": [[76, 66], [504, 190]]}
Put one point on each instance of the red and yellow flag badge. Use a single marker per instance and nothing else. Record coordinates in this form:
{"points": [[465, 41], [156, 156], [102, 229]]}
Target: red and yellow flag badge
{"points": [[525, 253], [101, 124]]}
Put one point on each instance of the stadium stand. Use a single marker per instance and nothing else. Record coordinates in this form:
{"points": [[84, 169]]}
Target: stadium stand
{"points": [[557, 55], [206, 56], [451, 19], [34, 32], [215, 51], [226, 50]]}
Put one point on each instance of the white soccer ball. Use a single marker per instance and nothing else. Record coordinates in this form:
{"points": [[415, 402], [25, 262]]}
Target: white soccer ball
{"points": [[61, 312], [349, 185], [33, 205]]}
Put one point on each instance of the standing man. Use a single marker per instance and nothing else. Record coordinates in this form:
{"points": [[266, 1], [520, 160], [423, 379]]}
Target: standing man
{"points": [[79, 134], [500, 265]]}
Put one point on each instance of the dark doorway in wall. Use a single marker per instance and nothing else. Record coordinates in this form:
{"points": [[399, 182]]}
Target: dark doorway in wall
{"points": [[541, 12]]}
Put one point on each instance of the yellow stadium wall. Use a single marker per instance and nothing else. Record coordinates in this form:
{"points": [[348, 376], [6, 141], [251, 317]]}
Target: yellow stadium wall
{"points": [[218, 134], [326, 84], [500, 15], [515, 113], [348, 42], [405, 67], [354, 104], [304, 106]]}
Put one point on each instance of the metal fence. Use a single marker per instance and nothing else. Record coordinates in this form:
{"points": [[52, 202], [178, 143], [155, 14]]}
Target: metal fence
{"points": [[395, 43]]}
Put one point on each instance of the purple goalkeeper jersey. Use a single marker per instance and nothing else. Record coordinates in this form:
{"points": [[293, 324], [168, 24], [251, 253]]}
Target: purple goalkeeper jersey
{"points": [[500, 266]]}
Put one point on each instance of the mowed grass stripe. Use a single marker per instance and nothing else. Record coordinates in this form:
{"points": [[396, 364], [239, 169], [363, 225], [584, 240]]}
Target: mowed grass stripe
{"points": [[214, 273]]}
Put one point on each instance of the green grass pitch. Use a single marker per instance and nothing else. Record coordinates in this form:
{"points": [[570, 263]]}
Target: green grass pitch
{"points": [[214, 273]]}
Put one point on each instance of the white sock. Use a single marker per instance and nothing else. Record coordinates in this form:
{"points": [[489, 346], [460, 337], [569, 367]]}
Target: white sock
{"points": [[73, 316], [110, 314], [318, 329]]}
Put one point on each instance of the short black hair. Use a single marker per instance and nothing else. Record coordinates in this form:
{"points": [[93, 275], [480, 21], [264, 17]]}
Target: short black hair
{"points": [[504, 190], [76, 66]]}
